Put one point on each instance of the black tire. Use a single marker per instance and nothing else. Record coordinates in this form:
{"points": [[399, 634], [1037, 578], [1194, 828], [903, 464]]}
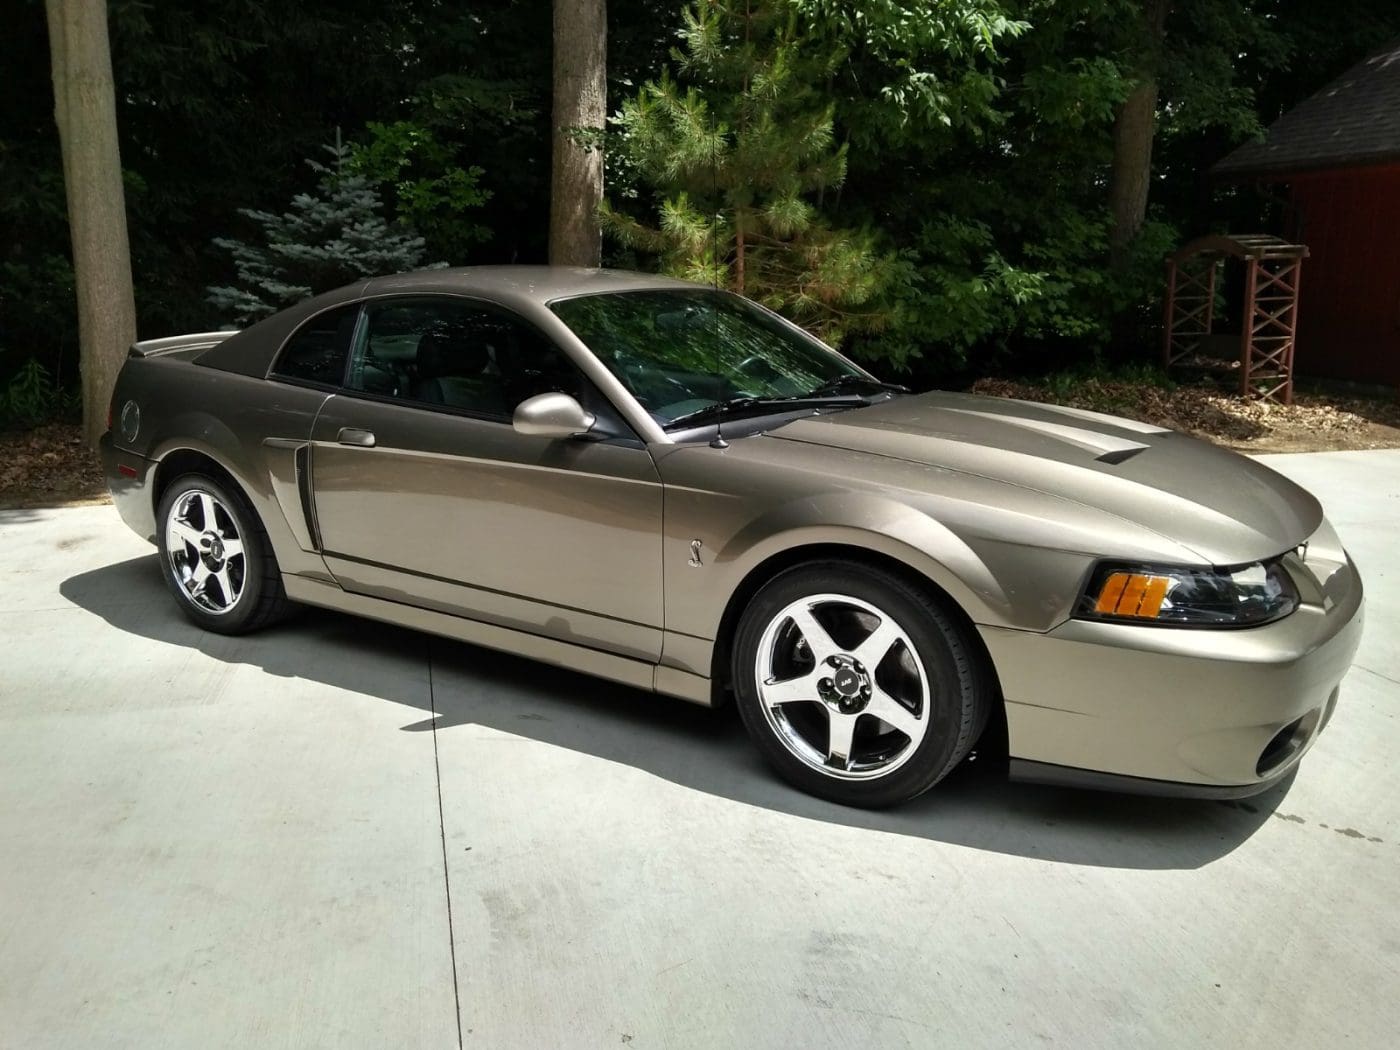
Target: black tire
{"points": [[960, 689], [261, 599]]}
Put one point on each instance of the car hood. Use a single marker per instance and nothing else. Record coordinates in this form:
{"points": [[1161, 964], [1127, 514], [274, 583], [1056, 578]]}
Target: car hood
{"points": [[1226, 508]]}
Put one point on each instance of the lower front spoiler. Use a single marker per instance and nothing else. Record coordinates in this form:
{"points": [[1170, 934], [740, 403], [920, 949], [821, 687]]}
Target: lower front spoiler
{"points": [[1066, 776]]}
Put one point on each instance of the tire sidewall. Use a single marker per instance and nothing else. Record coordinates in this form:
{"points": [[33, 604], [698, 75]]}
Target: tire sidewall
{"points": [[940, 648], [237, 507]]}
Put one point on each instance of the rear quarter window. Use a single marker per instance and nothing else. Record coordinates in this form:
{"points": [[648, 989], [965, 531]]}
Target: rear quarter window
{"points": [[318, 350]]}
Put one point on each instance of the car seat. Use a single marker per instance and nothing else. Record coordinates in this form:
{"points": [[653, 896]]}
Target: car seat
{"points": [[452, 371]]}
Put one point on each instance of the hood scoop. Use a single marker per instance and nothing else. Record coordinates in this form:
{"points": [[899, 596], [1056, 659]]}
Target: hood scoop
{"points": [[1106, 448], [1114, 458], [1224, 508]]}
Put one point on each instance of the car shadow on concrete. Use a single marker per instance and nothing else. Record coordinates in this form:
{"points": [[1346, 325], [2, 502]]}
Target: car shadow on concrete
{"points": [[19, 514], [701, 749]]}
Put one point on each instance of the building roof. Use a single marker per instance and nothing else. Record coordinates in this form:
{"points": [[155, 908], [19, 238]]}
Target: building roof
{"points": [[1354, 120]]}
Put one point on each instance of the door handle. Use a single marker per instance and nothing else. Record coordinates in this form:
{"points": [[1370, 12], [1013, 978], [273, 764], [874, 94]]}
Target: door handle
{"points": [[356, 437]]}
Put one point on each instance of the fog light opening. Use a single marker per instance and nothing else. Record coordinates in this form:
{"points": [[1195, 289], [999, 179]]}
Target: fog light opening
{"points": [[1331, 706], [1282, 747]]}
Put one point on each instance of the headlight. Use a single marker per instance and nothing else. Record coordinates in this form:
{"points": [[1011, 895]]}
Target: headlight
{"points": [[1238, 596]]}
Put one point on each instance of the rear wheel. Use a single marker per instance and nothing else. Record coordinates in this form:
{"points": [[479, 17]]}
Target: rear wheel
{"points": [[855, 685], [216, 557]]}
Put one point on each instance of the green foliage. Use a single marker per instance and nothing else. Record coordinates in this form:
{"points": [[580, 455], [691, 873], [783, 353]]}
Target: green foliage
{"points": [[967, 146], [911, 66], [737, 150], [36, 294], [427, 185], [327, 239], [1003, 220], [32, 396]]}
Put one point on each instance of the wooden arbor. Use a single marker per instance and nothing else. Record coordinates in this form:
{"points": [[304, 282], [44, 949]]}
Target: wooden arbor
{"points": [[1272, 268]]}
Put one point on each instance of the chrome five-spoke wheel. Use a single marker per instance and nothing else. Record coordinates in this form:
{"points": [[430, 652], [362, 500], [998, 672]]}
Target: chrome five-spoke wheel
{"points": [[216, 556], [857, 684], [206, 551], [842, 686]]}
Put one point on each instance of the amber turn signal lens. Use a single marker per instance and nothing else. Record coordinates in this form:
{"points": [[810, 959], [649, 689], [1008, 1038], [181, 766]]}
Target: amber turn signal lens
{"points": [[1132, 594]]}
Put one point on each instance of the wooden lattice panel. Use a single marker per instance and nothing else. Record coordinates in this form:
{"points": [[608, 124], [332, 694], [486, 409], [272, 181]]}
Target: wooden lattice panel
{"points": [[1273, 268], [1271, 288]]}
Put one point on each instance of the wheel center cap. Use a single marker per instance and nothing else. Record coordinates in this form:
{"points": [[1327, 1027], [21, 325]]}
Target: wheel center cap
{"points": [[213, 548], [848, 688]]}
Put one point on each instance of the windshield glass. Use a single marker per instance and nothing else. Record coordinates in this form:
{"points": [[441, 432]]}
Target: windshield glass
{"points": [[680, 351]]}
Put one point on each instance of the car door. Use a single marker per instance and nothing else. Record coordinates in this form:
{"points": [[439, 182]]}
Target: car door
{"points": [[425, 494]]}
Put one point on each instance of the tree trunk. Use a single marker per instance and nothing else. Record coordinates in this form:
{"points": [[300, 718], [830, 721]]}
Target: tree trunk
{"points": [[1133, 132], [86, 112], [580, 107]]}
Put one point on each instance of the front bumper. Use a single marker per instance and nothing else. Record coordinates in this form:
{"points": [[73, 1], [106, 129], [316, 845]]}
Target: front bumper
{"points": [[129, 479], [1204, 713]]}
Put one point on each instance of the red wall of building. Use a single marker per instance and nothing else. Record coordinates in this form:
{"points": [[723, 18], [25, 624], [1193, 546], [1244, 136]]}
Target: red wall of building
{"points": [[1349, 306]]}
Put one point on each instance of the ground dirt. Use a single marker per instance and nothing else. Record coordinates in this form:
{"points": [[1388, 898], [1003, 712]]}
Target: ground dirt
{"points": [[50, 465], [1315, 422]]}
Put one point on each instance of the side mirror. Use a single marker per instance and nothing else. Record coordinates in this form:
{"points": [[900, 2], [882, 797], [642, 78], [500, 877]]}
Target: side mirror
{"points": [[552, 415]]}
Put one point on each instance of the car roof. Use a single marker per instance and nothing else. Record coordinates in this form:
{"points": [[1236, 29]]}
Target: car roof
{"points": [[523, 288], [539, 284]]}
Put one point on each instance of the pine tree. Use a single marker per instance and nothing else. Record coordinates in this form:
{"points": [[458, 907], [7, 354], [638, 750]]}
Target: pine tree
{"points": [[327, 239], [739, 151]]}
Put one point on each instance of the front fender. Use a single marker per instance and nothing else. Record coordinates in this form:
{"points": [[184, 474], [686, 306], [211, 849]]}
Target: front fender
{"points": [[885, 526], [746, 515], [699, 590]]}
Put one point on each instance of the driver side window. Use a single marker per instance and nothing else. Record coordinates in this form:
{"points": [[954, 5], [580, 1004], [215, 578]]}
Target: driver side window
{"points": [[458, 355]]}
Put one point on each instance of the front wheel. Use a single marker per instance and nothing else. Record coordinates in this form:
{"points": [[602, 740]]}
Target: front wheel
{"points": [[216, 557], [856, 686]]}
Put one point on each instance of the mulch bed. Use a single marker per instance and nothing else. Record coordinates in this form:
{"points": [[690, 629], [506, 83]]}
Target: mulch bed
{"points": [[49, 465], [1313, 423]]}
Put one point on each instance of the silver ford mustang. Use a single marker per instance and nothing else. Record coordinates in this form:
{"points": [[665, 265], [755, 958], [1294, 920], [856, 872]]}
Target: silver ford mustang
{"points": [[673, 488]]}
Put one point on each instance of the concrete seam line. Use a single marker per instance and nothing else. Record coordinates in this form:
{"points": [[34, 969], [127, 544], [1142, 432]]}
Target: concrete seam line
{"points": [[1379, 674], [442, 835]]}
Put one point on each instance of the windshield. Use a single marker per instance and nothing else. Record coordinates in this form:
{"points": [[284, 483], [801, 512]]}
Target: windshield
{"points": [[679, 352]]}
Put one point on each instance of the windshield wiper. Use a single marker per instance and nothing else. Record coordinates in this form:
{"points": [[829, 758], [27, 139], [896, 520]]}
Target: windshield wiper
{"points": [[847, 390], [841, 384], [724, 409]]}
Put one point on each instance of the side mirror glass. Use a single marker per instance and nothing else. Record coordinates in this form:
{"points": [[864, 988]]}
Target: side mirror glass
{"points": [[553, 415]]}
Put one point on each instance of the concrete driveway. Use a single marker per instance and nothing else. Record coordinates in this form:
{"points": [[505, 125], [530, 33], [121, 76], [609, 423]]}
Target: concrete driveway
{"points": [[341, 834]]}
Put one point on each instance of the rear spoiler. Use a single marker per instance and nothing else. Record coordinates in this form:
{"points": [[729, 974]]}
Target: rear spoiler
{"points": [[172, 343]]}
